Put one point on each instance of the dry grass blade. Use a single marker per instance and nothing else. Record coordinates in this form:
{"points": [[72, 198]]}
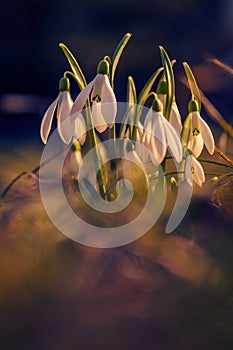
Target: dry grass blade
{"points": [[222, 65], [215, 114], [223, 155]]}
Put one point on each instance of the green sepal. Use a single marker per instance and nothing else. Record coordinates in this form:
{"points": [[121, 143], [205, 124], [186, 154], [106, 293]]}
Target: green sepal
{"points": [[64, 84], [117, 54], [167, 65], [74, 66], [147, 87], [192, 85], [103, 67], [193, 106], [157, 105], [75, 146]]}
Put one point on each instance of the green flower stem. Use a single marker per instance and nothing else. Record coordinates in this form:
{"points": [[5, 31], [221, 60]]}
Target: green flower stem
{"points": [[72, 75], [207, 161], [111, 191], [167, 65], [74, 66], [215, 163], [93, 143], [143, 98], [174, 173]]}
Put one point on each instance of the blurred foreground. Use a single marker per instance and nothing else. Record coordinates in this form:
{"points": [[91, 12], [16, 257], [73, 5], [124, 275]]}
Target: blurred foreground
{"points": [[160, 292]]}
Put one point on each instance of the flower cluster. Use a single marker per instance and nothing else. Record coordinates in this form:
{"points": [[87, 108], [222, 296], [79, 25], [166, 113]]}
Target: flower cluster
{"points": [[160, 131]]}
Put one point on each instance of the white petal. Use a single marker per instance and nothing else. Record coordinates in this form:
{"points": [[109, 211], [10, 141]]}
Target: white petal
{"points": [[207, 136], [175, 118], [147, 127], [173, 140], [64, 126], [80, 128], [97, 87], [188, 170], [46, 123], [81, 98], [158, 141], [108, 101], [107, 93], [97, 117], [199, 175], [196, 145]]}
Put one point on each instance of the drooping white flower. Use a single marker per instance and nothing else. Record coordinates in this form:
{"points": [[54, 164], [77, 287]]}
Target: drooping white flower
{"points": [[200, 133], [160, 135], [102, 95], [175, 117], [193, 171], [62, 105]]}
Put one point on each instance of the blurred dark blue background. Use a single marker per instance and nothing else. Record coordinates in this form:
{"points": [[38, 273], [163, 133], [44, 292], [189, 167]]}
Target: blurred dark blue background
{"points": [[32, 63]]}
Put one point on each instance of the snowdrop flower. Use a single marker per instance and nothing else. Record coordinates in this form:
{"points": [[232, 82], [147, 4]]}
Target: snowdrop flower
{"points": [[175, 117], [62, 105], [128, 170], [193, 171], [159, 135], [200, 132], [102, 96]]}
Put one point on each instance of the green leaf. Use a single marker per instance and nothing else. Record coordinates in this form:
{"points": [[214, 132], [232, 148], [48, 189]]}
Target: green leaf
{"points": [[167, 65], [192, 84], [131, 92], [117, 54], [74, 66], [146, 89]]}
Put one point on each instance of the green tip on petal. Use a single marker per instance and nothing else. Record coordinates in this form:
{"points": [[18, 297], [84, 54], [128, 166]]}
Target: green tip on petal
{"points": [[103, 67], [157, 105], [193, 106], [173, 183], [162, 88], [64, 84], [129, 146], [75, 146]]}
